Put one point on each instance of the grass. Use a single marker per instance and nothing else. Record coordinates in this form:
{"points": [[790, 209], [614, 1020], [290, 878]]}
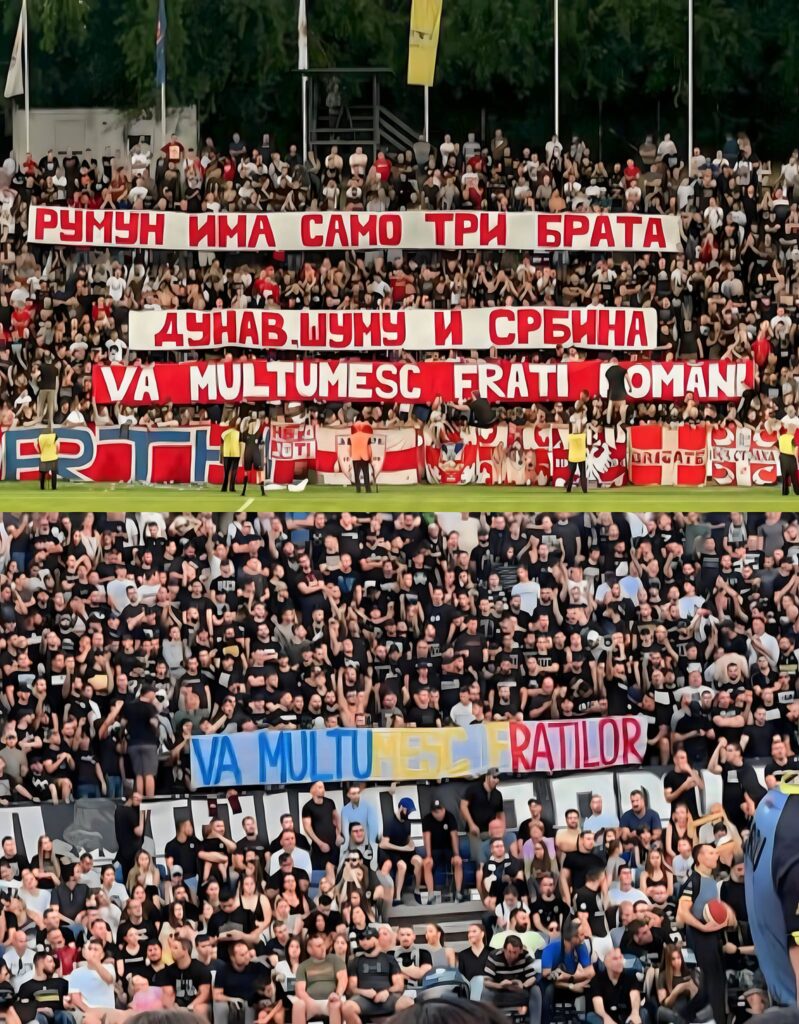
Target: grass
{"points": [[85, 497]]}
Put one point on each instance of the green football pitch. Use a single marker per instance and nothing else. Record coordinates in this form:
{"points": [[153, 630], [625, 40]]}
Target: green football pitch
{"points": [[84, 497]]}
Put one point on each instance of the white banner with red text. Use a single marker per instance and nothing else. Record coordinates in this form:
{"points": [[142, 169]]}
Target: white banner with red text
{"points": [[526, 455], [744, 456], [323, 231], [500, 381], [531, 327]]}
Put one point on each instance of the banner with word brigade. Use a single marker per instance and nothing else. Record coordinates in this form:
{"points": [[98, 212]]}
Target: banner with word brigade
{"points": [[531, 327], [329, 230], [348, 380]]}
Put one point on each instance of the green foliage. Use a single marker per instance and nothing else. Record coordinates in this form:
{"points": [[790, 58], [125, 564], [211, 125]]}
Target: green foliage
{"points": [[237, 62]]}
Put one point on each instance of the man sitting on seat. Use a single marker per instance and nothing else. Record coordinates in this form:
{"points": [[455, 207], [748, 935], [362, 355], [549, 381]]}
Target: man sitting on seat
{"points": [[375, 982], [510, 980], [566, 968], [321, 982], [616, 994]]}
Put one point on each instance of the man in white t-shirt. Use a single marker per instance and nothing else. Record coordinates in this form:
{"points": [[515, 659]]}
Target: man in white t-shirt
{"points": [[91, 986]]}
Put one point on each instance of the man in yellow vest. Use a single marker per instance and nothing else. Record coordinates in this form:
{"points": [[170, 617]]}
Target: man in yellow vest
{"points": [[231, 453], [577, 456], [788, 467], [47, 446]]}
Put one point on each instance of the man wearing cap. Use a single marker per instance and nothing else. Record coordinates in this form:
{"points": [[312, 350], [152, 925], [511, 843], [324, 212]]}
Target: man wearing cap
{"points": [[375, 983], [400, 850], [441, 849]]}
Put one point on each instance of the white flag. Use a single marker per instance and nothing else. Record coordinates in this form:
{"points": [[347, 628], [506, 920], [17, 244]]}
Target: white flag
{"points": [[302, 38], [15, 82]]}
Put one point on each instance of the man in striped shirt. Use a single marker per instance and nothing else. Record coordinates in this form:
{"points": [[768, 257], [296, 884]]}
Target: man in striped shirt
{"points": [[510, 980]]}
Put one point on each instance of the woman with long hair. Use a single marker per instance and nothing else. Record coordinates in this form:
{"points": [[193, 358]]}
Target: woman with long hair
{"points": [[144, 872], [679, 827], [285, 970], [656, 871], [297, 901], [253, 899], [46, 866], [434, 938], [678, 989]]}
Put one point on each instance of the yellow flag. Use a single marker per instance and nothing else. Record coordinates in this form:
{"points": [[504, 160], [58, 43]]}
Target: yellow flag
{"points": [[423, 42]]}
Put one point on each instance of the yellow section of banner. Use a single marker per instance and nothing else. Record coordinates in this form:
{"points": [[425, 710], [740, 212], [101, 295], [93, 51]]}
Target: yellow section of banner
{"points": [[423, 41]]}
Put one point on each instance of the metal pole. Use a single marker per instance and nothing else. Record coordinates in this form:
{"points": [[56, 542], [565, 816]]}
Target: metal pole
{"points": [[26, 68], [163, 112], [426, 114], [557, 71], [690, 83], [304, 118]]}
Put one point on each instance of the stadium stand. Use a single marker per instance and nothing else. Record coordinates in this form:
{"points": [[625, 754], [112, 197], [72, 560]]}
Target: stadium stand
{"points": [[730, 293], [127, 881]]}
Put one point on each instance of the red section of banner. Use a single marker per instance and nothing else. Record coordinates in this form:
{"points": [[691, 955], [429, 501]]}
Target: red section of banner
{"points": [[354, 381], [665, 456]]}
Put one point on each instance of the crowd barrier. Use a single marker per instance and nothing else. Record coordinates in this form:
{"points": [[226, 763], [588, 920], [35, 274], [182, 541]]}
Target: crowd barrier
{"points": [[88, 824], [651, 455]]}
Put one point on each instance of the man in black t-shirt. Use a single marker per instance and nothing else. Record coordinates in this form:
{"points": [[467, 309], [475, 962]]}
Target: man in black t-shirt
{"points": [[189, 980], [548, 910], [498, 873], [615, 993], [441, 847], [578, 863], [481, 804], [682, 782], [321, 823], [44, 990], [142, 721], [129, 824], [375, 982], [589, 905], [182, 852]]}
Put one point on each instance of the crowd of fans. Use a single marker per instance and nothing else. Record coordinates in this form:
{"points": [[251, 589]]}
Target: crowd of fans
{"points": [[730, 293], [124, 635]]}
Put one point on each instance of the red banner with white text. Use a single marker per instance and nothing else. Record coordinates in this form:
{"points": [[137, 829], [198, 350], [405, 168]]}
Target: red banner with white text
{"points": [[743, 456], [330, 230], [319, 380], [531, 327], [665, 456]]}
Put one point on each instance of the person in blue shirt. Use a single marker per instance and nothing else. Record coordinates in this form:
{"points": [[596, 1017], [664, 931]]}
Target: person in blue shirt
{"points": [[363, 812], [639, 816], [566, 969]]}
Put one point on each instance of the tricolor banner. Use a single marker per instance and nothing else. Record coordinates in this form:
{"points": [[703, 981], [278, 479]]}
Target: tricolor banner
{"points": [[326, 231], [524, 327], [664, 456], [321, 380], [276, 757]]}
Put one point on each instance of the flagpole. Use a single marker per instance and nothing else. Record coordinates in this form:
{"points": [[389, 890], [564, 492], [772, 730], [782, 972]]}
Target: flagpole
{"points": [[27, 83], [690, 84], [163, 111], [426, 113], [557, 70], [304, 118]]}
